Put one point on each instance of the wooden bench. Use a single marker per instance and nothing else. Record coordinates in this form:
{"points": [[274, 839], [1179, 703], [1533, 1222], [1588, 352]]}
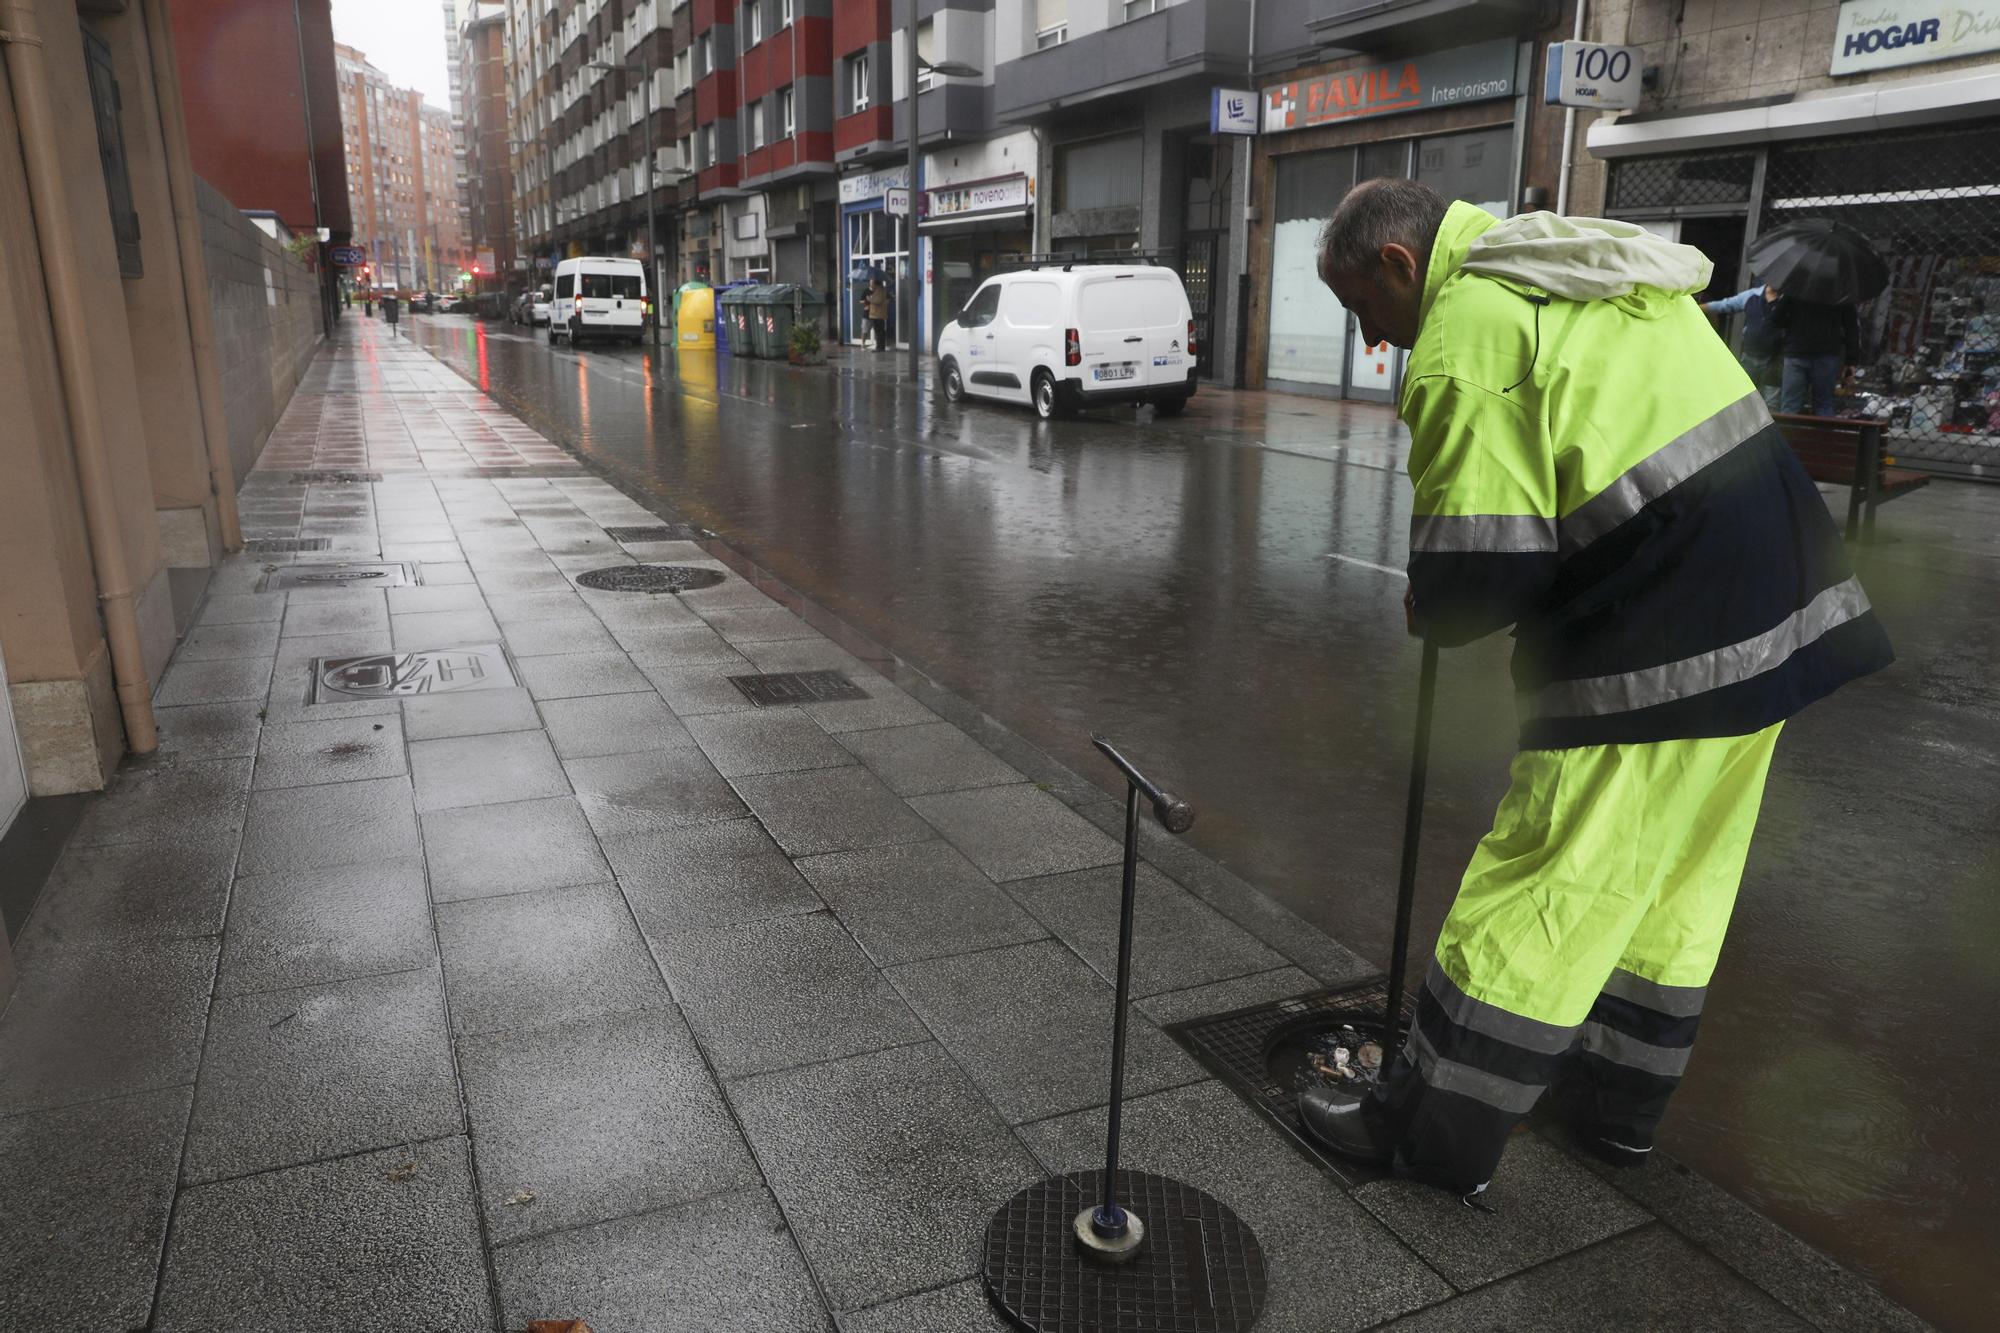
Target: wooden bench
{"points": [[1850, 452]]}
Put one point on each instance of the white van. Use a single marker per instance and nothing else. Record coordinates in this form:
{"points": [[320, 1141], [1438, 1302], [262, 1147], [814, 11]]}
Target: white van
{"points": [[1068, 335], [600, 297]]}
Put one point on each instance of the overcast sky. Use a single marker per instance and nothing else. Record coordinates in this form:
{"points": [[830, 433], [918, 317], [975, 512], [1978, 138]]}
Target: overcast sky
{"points": [[402, 38]]}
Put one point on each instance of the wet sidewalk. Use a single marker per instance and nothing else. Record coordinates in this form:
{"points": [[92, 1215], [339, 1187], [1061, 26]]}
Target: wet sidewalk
{"points": [[597, 990]]}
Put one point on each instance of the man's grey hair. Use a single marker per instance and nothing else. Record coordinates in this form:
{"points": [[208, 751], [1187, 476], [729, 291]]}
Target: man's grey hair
{"points": [[1376, 213]]}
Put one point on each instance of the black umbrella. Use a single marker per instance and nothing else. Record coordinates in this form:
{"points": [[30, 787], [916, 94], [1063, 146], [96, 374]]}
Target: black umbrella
{"points": [[1819, 260]]}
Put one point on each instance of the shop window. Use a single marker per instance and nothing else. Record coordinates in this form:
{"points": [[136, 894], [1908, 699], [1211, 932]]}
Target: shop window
{"points": [[1308, 327], [1474, 167], [104, 105], [1102, 173], [857, 82]]}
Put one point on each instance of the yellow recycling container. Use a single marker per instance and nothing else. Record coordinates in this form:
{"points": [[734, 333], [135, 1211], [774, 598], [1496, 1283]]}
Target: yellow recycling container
{"points": [[695, 321]]}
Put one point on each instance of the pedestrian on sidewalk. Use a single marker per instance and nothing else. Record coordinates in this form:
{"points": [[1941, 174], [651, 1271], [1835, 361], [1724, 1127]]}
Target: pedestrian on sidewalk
{"points": [[1758, 353], [875, 304], [1592, 468], [1817, 341]]}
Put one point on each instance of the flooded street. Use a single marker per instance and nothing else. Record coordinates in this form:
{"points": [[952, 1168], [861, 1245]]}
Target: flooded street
{"points": [[1221, 593]]}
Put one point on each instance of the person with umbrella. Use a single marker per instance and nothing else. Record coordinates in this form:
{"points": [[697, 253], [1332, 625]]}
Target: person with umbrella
{"points": [[1823, 269], [1591, 468]]}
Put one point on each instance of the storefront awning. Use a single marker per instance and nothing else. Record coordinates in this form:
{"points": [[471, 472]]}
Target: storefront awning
{"points": [[1001, 215], [1878, 106]]}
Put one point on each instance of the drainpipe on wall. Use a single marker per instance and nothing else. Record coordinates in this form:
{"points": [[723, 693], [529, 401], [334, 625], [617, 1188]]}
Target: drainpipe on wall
{"points": [[21, 41], [194, 271], [1569, 131]]}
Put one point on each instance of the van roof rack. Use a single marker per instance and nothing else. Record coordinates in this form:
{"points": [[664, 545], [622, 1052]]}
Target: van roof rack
{"points": [[1018, 260]]}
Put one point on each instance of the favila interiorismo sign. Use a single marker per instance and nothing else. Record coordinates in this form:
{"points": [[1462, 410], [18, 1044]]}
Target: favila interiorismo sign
{"points": [[1441, 78], [1881, 34]]}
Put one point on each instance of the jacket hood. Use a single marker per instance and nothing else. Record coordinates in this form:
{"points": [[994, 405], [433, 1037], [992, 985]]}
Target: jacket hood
{"points": [[1587, 259]]}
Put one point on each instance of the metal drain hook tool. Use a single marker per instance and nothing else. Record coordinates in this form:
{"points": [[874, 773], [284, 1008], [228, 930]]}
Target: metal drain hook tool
{"points": [[1406, 878], [1108, 1230]]}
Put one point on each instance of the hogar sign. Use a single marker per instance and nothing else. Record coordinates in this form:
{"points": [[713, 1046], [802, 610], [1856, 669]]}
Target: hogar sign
{"points": [[1881, 34]]}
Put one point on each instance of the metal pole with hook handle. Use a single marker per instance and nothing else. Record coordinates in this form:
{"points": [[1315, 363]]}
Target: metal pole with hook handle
{"points": [[1413, 824]]}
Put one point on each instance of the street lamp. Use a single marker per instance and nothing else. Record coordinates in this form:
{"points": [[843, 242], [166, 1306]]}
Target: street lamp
{"points": [[913, 282], [645, 68]]}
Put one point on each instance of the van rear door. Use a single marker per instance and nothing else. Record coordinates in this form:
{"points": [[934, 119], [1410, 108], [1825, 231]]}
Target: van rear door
{"points": [[1111, 314], [1166, 311]]}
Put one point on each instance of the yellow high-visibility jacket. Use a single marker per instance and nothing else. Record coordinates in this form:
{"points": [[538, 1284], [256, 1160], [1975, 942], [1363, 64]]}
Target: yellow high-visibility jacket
{"points": [[1594, 468]]}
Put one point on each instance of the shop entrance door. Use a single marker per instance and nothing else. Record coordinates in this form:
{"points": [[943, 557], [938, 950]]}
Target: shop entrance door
{"points": [[13, 774], [1198, 276], [875, 243]]}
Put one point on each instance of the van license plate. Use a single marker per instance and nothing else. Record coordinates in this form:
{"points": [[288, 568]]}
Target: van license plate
{"points": [[1123, 370]]}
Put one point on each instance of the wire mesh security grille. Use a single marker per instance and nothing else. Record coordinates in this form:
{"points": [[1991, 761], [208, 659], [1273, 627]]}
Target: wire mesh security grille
{"points": [[1683, 180], [1929, 200]]}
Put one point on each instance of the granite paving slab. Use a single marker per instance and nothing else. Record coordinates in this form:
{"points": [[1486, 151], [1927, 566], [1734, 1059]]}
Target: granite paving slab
{"points": [[1032, 1027], [210, 731], [962, 1307], [348, 749], [888, 1166], [570, 675], [296, 828], [481, 851], [700, 876], [441, 629], [1016, 831], [327, 924], [915, 900], [782, 991], [133, 891], [253, 638], [774, 740], [624, 794], [830, 810], [693, 690], [389, 1238], [338, 1067], [173, 800], [477, 713], [725, 1262], [532, 959], [934, 757], [601, 1117], [612, 724], [89, 1189], [219, 680], [495, 769]]}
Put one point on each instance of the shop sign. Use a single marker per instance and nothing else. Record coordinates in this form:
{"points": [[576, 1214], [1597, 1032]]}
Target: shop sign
{"points": [[1009, 194], [896, 202], [348, 256], [1441, 78], [873, 184], [1881, 34], [1232, 111], [1594, 75]]}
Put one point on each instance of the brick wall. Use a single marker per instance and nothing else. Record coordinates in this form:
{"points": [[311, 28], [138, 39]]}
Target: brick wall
{"points": [[267, 322]]}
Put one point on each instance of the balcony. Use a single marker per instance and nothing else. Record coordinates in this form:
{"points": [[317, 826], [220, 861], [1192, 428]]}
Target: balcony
{"points": [[1370, 25]]}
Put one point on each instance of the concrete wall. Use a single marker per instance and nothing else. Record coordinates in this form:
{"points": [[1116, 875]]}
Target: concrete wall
{"points": [[266, 309]]}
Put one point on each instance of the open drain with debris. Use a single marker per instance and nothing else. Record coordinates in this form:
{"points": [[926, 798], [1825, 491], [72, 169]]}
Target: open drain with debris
{"points": [[650, 578], [284, 545], [398, 675], [324, 478], [663, 532], [373, 574], [1269, 1053]]}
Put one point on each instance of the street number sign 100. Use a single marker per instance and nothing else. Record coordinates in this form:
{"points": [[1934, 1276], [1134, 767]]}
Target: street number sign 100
{"points": [[1595, 64], [1594, 75]]}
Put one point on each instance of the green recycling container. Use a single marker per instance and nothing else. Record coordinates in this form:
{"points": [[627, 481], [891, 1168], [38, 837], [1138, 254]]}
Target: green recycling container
{"points": [[732, 316], [774, 308]]}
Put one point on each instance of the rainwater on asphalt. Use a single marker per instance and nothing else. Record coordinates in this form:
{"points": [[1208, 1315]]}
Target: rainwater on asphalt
{"points": [[1219, 593]]}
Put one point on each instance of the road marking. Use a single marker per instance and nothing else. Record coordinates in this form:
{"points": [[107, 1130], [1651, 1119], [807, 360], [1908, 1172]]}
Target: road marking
{"points": [[1365, 564]]}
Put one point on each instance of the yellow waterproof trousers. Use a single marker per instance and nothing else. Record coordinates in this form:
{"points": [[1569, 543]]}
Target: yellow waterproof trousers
{"points": [[1580, 945]]}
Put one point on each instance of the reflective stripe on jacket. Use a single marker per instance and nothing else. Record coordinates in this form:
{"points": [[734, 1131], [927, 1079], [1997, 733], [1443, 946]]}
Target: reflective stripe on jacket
{"points": [[1600, 474]]}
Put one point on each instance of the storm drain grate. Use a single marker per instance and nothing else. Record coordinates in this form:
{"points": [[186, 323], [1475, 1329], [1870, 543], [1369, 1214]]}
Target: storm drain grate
{"points": [[278, 545], [397, 574], [325, 478], [797, 687], [398, 675], [650, 578], [1264, 1054], [669, 532]]}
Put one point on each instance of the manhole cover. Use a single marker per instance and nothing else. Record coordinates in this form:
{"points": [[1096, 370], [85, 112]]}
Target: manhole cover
{"points": [[329, 477], [669, 532], [426, 671], [276, 545], [797, 687], [1268, 1052], [1200, 1269], [650, 578], [398, 574]]}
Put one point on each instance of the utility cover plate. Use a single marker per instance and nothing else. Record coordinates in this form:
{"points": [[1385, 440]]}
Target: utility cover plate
{"points": [[777, 689], [373, 574], [400, 675], [650, 578], [666, 532]]}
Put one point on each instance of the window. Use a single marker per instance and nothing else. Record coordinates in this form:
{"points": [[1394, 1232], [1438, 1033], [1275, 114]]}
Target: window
{"points": [[1102, 173], [565, 286], [1033, 305], [1138, 9], [857, 82], [753, 23], [704, 55], [787, 112], [111, 153], [980, 310], [708, 158], [1051, 23], [684, 68], [784, 12], [756, 124]]}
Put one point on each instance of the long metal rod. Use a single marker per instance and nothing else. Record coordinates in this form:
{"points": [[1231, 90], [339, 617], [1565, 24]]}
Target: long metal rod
{"points": [[911, 280], [1110, 1218], [1413, 826]]}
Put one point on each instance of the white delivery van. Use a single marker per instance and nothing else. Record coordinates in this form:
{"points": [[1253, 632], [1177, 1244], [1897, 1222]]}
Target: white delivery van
{"points": [[600, 297], [1075, 334]]}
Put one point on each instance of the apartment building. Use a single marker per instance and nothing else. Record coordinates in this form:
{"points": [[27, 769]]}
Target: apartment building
{"points": [[402, 178], [482, 79], [455, 14]]}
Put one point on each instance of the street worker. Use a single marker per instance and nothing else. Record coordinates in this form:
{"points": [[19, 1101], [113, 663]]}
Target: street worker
{"points": [[1593, 468]]}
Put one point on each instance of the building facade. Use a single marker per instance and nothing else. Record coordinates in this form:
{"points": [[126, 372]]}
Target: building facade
{"points": [[402, 179], [1884, 116], [489, 161]]}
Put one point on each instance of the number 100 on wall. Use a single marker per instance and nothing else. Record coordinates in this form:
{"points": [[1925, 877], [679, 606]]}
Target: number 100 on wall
{"points": [[1593, 74]]}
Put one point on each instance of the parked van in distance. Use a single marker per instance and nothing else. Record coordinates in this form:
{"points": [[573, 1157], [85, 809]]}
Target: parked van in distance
{"points": [[600, 297], [1065, 335]]}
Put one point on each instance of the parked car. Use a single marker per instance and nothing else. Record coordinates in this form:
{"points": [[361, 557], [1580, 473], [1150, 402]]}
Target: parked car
{"points": [[424, 303], [599, 296], [462, 303], [540, 306], [1067, 335]]}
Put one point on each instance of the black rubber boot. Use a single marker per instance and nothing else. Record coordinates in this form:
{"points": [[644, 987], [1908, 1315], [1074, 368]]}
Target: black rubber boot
{"points": [[1351, 1126]]}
